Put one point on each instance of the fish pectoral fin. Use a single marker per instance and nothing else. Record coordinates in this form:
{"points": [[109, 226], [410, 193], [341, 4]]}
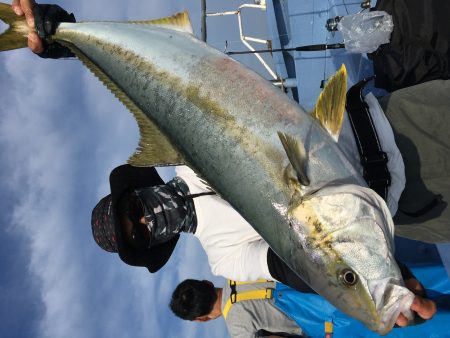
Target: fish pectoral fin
{"points": [[154, 148], [179, 22], [296, 153], [330, 106], [15, 36]]}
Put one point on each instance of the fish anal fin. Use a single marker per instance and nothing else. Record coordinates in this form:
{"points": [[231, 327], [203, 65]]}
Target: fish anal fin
{"points": [[154, 148], [330, 106], [16, 35], [179, 22], [296, 154]]}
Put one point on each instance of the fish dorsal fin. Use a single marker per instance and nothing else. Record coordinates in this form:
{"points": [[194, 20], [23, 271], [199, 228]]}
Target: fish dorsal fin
{"points": [[154, 148], [297, 156], [16, 35], [330, 106], [179, 22]]}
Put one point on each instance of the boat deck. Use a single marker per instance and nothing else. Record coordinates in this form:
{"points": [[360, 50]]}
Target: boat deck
{"points": [[294, 23]]}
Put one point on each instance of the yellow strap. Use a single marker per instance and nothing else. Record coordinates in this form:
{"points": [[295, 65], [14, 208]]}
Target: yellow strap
{"points": [[328, 327], [248, 295], [256, 281]]}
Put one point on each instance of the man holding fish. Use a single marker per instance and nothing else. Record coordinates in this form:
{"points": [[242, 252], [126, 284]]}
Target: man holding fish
{"points": [[288, 217]]}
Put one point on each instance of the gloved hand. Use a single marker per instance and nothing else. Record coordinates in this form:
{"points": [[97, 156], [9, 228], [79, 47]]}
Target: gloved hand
{"points": [[47, 18]]}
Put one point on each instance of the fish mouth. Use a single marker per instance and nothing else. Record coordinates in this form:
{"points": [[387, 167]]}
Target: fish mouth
{"points": [[390, 299]]}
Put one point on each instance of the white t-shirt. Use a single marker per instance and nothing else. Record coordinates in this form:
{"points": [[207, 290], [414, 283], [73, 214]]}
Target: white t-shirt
{"points": [[234, 249]]}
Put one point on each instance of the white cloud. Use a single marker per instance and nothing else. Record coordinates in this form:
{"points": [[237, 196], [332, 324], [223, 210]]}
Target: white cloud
{"points": [[44, 152], [41, 156]]}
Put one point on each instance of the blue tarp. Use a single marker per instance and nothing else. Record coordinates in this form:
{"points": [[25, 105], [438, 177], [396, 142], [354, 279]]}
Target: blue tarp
{"points": [[311, 311]]}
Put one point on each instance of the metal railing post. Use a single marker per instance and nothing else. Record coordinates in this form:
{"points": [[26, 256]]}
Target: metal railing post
{"points": [[204, 35]]}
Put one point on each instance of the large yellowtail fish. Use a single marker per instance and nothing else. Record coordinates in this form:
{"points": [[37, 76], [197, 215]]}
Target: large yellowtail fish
{"points": [[275, 164]]}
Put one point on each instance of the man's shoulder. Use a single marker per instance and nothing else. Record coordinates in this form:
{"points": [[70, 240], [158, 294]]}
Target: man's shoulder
{"points": [[239, 294], [246, 317], [195, 183]]}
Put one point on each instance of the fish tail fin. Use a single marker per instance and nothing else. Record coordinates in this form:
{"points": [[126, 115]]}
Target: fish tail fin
{"points": [[16, 35], [330, 106]]}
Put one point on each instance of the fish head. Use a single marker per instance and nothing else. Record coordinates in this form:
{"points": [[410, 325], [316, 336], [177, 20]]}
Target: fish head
{"points": [[347, 234]]}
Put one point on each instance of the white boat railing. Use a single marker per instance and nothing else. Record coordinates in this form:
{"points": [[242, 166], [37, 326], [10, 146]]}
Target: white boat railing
{"points": [[259, 4]]}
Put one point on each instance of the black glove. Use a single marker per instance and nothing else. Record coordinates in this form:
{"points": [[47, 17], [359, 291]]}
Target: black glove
{"points": [[47, 18]]}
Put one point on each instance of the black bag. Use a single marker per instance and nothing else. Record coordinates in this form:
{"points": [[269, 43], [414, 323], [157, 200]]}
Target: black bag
{"points": [[419, 50]]}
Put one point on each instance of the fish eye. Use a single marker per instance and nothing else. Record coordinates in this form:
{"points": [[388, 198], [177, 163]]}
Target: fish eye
{"points": [[348, 277]]}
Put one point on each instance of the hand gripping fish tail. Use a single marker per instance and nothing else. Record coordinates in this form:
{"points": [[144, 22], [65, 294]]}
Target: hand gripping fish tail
{"points": [[46, 18]]}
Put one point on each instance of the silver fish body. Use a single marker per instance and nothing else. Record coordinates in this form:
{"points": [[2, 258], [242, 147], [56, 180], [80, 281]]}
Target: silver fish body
{"points": [[223, 119]]}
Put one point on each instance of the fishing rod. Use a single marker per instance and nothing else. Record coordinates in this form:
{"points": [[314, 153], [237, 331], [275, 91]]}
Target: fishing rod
{"points": [[308, 48]]}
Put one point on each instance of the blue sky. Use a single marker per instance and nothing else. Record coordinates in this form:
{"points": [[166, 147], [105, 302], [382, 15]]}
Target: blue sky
{"points": [[61, 133]]}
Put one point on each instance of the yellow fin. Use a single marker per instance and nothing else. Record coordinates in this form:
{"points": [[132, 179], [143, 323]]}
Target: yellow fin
{"points": [[16, 35], [154, 148], [297, 156], [330, 106], [179, 22]]}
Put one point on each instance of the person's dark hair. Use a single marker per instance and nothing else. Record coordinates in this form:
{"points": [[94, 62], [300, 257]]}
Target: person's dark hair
{"points": [[193, 298]]}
